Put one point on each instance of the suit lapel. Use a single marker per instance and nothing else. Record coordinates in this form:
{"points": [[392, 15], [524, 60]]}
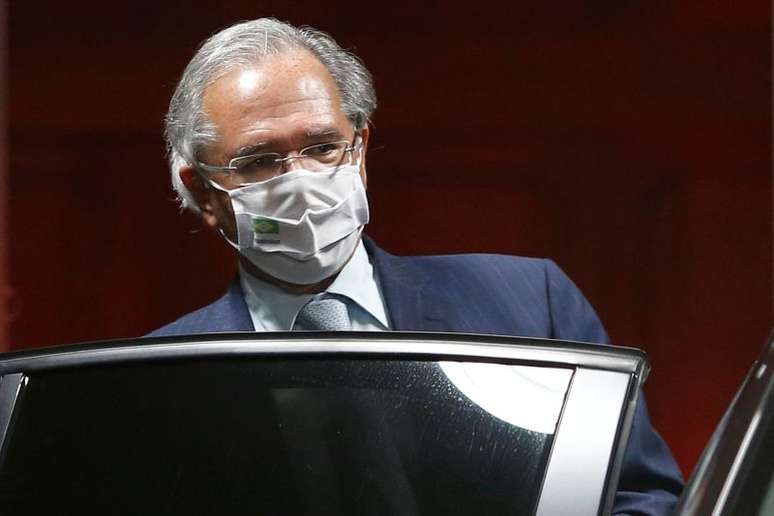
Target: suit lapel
{"points": [[412, 302], [230, 313]]}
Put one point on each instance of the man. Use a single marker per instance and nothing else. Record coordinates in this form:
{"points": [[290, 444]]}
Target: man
{"points": [[268, 134]]}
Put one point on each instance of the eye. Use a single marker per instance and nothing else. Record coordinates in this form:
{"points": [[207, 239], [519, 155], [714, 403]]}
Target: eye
{"points": [[323, 150], [257, 162]]}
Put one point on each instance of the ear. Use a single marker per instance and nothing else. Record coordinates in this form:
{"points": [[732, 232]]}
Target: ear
{"points": [[365, 132], [201, 192]]}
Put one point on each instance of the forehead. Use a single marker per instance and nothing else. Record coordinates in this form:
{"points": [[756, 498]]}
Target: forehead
{"points": [[279, 100]]}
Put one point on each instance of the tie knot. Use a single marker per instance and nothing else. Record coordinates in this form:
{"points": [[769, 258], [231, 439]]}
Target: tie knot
{"points": [[327, 314]]}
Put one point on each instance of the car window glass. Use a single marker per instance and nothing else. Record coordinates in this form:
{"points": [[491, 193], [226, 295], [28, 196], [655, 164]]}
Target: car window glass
{"points": [[301, 436], [491, 387]]}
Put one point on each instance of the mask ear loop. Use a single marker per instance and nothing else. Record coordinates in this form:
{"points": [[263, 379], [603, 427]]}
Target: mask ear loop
{"points": [[209, 183], [216, 186], [228, 240], [358, 146]]}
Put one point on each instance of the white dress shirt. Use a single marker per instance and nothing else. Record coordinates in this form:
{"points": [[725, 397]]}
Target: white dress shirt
{"points": [[273, 309]]}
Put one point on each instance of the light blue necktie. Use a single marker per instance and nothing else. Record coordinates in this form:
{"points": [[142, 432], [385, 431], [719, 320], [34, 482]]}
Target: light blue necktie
{"points": [[326, 314]]}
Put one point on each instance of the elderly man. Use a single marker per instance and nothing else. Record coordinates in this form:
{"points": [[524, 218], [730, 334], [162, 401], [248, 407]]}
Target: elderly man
{"points": [[268, 134]]}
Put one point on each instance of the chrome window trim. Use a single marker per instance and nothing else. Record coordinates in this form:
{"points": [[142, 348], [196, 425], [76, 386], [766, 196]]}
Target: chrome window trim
{"points": [[726, 459], [584, 445], [624, 430], [455, 346], [10, 386]]}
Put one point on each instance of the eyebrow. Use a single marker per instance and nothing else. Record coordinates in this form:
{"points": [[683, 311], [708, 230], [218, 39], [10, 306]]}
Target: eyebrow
{"points": [[249, 150], [319, 133], [313, 134]]}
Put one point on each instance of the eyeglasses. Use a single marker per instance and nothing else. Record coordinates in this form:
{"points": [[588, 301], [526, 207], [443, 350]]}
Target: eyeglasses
{"points": [[255, 168]]}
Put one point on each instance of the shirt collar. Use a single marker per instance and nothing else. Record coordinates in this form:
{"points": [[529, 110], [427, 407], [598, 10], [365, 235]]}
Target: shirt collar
{"points": [[358, 282]]}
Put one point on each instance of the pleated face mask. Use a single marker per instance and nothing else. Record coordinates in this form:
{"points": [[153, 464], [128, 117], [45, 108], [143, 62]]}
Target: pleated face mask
{"points": [[302, 226]]}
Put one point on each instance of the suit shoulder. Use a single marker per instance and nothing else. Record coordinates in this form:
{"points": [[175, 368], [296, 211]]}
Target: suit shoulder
{"points": [[536, 282], [452, 263], [484, 262], [499, 277]]}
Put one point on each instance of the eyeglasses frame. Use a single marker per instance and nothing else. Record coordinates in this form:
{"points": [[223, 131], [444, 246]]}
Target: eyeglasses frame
{"points": [[204, 167]]}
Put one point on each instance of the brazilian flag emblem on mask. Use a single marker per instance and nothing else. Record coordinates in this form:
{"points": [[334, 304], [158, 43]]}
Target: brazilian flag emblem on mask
{"points": [[265, 227]]}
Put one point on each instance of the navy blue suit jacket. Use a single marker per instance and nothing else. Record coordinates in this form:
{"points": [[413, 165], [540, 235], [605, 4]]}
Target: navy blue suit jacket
{"points": [[497, 295]]}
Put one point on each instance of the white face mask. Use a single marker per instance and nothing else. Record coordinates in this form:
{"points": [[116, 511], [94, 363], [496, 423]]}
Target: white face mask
{"points": [[301, 227]]}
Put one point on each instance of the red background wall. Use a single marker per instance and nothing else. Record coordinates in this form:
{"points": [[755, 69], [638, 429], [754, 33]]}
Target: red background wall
{"points": [[629, 141]]}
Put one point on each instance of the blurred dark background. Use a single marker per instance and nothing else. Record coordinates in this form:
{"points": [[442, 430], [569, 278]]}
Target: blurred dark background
{"points": [[629, 141]]}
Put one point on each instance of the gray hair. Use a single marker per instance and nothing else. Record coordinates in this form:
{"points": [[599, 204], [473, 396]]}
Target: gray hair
{"points": [[187, 127]]}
